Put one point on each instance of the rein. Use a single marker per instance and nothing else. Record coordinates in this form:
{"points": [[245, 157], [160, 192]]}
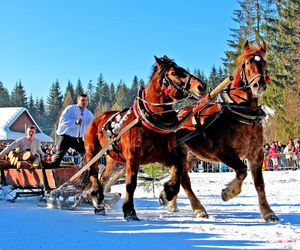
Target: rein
{"points": [[176, 105], [150, 121], [240, 113]]}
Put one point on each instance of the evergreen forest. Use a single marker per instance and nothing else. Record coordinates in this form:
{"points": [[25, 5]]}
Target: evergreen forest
{"points": [[275, 21]]}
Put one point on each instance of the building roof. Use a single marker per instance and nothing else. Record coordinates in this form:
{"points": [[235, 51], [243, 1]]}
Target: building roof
{"points": [[13, 122]]}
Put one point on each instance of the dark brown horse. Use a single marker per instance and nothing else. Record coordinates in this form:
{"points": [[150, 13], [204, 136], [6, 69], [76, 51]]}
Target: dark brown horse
{"points": [[150, 137], [230, 130]]}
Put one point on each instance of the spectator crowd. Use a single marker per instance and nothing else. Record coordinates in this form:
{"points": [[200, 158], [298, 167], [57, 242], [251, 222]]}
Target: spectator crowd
{"points": [[70, 156], [278, 156]]}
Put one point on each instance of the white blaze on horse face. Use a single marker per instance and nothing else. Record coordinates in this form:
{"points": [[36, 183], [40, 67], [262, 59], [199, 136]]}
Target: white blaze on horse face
{"points": [[257, 58], [254, 74]]}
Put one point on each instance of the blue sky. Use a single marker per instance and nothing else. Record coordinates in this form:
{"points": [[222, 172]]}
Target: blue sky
{"points": [[41, 41]]}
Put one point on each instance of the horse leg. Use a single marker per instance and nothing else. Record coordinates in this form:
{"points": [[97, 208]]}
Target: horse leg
{"points": [[132, 167], [235, 186], [107, 178], [171, 187], [96, 190], [172, 205], [197, 207], [256, 171]]}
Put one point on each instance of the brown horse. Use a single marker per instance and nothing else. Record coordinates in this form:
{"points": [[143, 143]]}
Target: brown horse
{"points": [[230, 129], [150, 136]]}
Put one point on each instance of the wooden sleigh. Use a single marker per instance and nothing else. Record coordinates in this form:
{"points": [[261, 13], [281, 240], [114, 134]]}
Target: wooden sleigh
{"points": [[31, 180]]}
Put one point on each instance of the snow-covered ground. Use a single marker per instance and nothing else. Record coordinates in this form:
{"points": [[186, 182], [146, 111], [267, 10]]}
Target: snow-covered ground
{"points": [[235, 224]]}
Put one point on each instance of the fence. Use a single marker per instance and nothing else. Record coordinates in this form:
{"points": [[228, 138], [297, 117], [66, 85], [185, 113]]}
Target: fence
{"points": [[284, 162], [201, 166], [76, 159]]}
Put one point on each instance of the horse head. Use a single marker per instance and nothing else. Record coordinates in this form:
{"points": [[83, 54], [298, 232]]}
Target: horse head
{"points": [[251, 72], [170, 90], [175, 82]]}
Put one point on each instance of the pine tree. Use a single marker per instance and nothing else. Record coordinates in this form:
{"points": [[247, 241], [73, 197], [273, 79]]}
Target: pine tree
{"points": [[213, 79], [78, 90], [68, 100], [284, 68], [41, 107], [54, 102], [112, 93], [42, 119], [142, 83], [31, 107], [106, 100], [200, 74], [101, 96], [251, 18], [18, 96], [221, 74], [154, 171], [70, 88], [133, 92], [90, 91], [4, 96], [121, 95]]}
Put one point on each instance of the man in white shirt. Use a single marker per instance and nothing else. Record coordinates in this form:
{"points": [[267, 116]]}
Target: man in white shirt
{"points": [[26, 143], [71, 128]]}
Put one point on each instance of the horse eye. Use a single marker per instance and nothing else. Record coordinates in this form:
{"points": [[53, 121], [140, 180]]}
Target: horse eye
{"points": [[173, 73]]}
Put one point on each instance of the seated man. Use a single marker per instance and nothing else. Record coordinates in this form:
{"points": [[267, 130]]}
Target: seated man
{"points": [[26, 143]]}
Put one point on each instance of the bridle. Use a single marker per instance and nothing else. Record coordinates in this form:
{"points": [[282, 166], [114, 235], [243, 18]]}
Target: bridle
{"points": [[167, 82], [247, 83], [153, 120]]}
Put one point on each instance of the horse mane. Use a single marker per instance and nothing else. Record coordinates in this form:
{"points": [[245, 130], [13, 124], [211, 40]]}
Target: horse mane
{"points": [[240, 61]]}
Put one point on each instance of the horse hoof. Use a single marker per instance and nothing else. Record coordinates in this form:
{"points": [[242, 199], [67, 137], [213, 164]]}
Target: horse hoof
{"points": [[201, 214], [162, 199], [131, 217], [173, 209], [224, 195], [100, 212], [170, 191], [271, 218]]}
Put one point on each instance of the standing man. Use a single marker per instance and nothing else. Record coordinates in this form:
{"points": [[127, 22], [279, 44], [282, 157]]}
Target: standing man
{"points": [[26, 143], [71, 128]]}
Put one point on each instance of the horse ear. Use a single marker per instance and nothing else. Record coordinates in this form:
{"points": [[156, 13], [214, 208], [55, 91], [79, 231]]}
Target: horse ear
{"points": [[246, 45], [159, 62], [167, 58], [263, 47]]}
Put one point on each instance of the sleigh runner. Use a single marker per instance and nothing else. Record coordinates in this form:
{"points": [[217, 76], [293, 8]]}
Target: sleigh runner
{"points": [[31, 180]]}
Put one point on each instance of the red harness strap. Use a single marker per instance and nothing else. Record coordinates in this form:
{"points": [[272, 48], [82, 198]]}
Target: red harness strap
{"points": [[146, 124]]}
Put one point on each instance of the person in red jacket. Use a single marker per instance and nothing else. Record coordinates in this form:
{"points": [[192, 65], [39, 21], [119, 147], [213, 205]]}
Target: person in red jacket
{"points": [[274, 156]]}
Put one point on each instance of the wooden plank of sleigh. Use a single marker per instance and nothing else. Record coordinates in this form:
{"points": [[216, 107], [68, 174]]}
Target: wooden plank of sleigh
{"points": [[28, 177]]}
